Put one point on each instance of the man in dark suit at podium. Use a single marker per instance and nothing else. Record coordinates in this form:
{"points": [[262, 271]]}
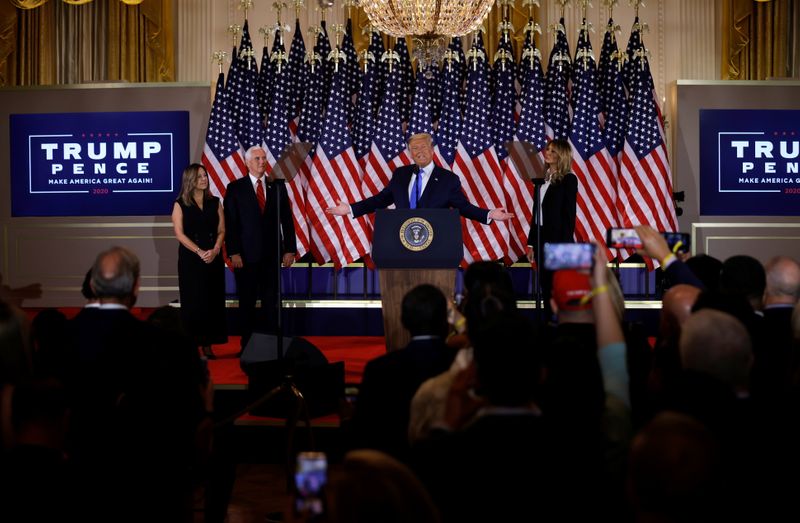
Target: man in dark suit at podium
{"points": [[421, 185], [251, 241]]}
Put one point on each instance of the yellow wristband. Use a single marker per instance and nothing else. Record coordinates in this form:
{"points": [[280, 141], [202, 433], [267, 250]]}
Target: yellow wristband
{"points": [[667, 260], [597, 290]]}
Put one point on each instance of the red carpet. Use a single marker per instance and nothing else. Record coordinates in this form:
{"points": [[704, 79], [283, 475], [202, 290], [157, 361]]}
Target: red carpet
{"points": [[354, 351]]}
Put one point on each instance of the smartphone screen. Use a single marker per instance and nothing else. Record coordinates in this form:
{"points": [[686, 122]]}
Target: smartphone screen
{"points": [[678, 241], [310, 478], [559, 256], [623, 239]]}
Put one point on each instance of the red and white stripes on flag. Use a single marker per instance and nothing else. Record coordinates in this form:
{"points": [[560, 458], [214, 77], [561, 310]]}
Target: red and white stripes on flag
{"points": [[330, 180], [222, 157], [482, 182], [645, 179]]}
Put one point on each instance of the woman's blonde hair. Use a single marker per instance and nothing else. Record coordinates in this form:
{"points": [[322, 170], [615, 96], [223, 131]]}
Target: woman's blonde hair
{"points": [[188, 183], [564, 164]]}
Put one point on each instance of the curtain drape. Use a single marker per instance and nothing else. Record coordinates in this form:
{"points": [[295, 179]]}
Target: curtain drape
{"points": [[755, 39], [76, 41]]}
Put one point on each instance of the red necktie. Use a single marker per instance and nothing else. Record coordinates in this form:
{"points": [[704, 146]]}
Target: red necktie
{"points": [[260, 196]]}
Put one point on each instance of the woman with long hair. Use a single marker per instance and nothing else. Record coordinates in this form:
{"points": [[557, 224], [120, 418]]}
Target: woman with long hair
{"points": [[199, 226], [556, 209]]}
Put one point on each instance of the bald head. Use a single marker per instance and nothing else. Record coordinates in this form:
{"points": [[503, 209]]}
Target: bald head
{"points": [[115, 276], [783, 281], [677, 307], [717, 344]]}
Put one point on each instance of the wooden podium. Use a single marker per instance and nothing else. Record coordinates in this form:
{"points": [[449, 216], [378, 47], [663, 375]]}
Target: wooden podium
{"points": [[411, 247]]}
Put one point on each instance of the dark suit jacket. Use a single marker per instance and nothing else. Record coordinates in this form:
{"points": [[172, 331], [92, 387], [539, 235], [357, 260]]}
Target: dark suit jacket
{"points": [[390, 381], [443, 191], [249, 233], [136, 403], [558, 212]]}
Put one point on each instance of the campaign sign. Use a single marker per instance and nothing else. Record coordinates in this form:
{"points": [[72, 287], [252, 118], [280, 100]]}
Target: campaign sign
{"points": [[97, 164], [750, 162]]}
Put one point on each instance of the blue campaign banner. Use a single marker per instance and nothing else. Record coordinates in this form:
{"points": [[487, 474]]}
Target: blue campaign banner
{"points": [[749, 162], [97, 164]]}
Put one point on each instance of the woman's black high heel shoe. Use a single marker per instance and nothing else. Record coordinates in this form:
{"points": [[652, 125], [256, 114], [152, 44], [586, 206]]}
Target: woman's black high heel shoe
{"points": [[208, 353]]}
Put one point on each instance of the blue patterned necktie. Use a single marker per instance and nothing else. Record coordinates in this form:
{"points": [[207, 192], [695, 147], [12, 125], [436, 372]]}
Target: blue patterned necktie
{"points": [[416, 191]]}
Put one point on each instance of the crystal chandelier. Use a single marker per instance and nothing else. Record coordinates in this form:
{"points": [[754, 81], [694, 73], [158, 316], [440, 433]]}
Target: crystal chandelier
{"points": [[430, 23]]}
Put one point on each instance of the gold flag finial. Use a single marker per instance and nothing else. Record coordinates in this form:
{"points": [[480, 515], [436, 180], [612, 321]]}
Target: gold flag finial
{"points": [[234, 30], [245, 5], [366, 58], [265, 32], [636, 4], [298, 5], [475, 54], [390, 56], [584, 55], [247, 54], [451, 56], [312, 59], [642, 54], [530, 4], [338, 30], [336, 56], [350, 4], [219, 57], [621, 57], [562, 7], [504, 56], [504, 28], [530, 53], [281, 57]]}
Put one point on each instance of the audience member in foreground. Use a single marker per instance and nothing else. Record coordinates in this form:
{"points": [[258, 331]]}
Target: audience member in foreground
{"points": [[390, 381]]}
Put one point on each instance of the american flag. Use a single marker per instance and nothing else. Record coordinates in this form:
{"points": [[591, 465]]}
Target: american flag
{"points": [[323, 48], [335, 177], [364, 125], [221, 156], [514, 188], [606, 67], [531, 129], [308, 130], [556, 106], [388, 149], [524, 67], [242, 94], [478, 166], [278, 137], [614, 99], [433, 79], [591, 162], [351, 73], [377, 49], [645, 195], [421, 121], [296, 73], [265, 80], [406, 79], [449, 129]]}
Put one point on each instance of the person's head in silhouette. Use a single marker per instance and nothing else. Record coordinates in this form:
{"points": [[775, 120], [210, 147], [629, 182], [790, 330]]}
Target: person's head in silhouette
{"points": [[371, 486], [115, 276], [743, 276], [673, 470], [424, 311]]}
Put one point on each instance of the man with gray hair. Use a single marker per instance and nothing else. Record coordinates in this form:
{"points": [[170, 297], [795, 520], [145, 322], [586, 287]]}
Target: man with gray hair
{"points": [[772, 374], [137, 398]]}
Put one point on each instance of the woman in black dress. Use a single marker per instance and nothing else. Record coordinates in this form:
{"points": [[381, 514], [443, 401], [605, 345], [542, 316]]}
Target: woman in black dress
{"points": [[558, 197], [200, 228]]}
